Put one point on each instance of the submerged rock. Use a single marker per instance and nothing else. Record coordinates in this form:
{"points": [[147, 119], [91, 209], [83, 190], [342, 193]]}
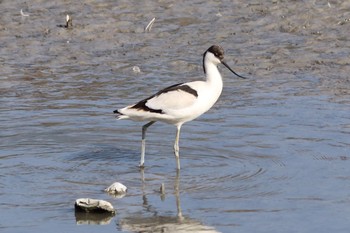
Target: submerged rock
{"points": [[93, 205], [117, 189]]}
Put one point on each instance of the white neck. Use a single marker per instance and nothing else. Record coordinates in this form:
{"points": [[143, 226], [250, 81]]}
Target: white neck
{"points": [[212, 74]]}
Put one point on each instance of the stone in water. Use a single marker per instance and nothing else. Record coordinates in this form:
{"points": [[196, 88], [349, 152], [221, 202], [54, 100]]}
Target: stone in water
{"points": [[93, 205], [116, 188]]}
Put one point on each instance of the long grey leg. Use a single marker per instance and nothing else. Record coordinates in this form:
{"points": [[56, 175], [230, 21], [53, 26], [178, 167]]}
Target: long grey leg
{"points": [[143, 142], [177, 195], [176, 146]]}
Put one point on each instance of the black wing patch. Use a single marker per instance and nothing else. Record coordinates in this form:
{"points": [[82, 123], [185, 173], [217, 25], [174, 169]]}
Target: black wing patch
{"points": [[142, 104]]}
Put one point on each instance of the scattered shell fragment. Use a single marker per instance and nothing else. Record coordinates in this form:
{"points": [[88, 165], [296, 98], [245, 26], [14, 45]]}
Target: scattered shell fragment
{"points": [[69, 23], [149, 25], [93, 205], [136, 69], [117, 189], [22, 13]]}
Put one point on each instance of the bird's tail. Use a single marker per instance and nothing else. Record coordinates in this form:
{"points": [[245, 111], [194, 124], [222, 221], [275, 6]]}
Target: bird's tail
{"points": [[119, 115]]}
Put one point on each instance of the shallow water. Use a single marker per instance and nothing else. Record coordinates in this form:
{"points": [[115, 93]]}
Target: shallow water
{"points": [[270, 156]]}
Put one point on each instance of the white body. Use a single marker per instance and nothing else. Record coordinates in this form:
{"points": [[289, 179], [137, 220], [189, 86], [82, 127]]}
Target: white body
{"points": [[180, 106]]}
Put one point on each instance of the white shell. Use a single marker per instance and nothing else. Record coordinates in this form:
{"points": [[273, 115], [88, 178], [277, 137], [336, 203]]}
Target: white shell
{"points": [[116, 188], [136, 69], [93, 205], [22, 13]]}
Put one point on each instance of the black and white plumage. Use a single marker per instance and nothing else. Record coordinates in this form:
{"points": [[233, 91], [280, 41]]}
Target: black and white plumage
{"points": [[181, 102]]}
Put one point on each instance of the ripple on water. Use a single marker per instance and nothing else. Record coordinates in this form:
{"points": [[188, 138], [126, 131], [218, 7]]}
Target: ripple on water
{"points": [[221, 176], [276, 141]]}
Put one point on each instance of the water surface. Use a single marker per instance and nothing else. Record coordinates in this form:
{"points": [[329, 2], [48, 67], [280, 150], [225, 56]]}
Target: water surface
{"points": [[270, 156]]}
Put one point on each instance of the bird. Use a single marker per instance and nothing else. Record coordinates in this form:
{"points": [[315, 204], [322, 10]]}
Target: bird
{"points": [[180, 103]]}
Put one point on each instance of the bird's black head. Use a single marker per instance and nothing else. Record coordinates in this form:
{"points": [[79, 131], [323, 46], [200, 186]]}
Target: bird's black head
{"points": [[217, 50], [216, 56]]}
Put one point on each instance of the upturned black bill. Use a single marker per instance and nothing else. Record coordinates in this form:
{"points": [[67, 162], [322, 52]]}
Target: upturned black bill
{"points": [[224, 63]]}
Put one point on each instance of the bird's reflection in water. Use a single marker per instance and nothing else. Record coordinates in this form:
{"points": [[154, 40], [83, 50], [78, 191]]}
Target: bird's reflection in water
{"points": [[163, 223]]}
